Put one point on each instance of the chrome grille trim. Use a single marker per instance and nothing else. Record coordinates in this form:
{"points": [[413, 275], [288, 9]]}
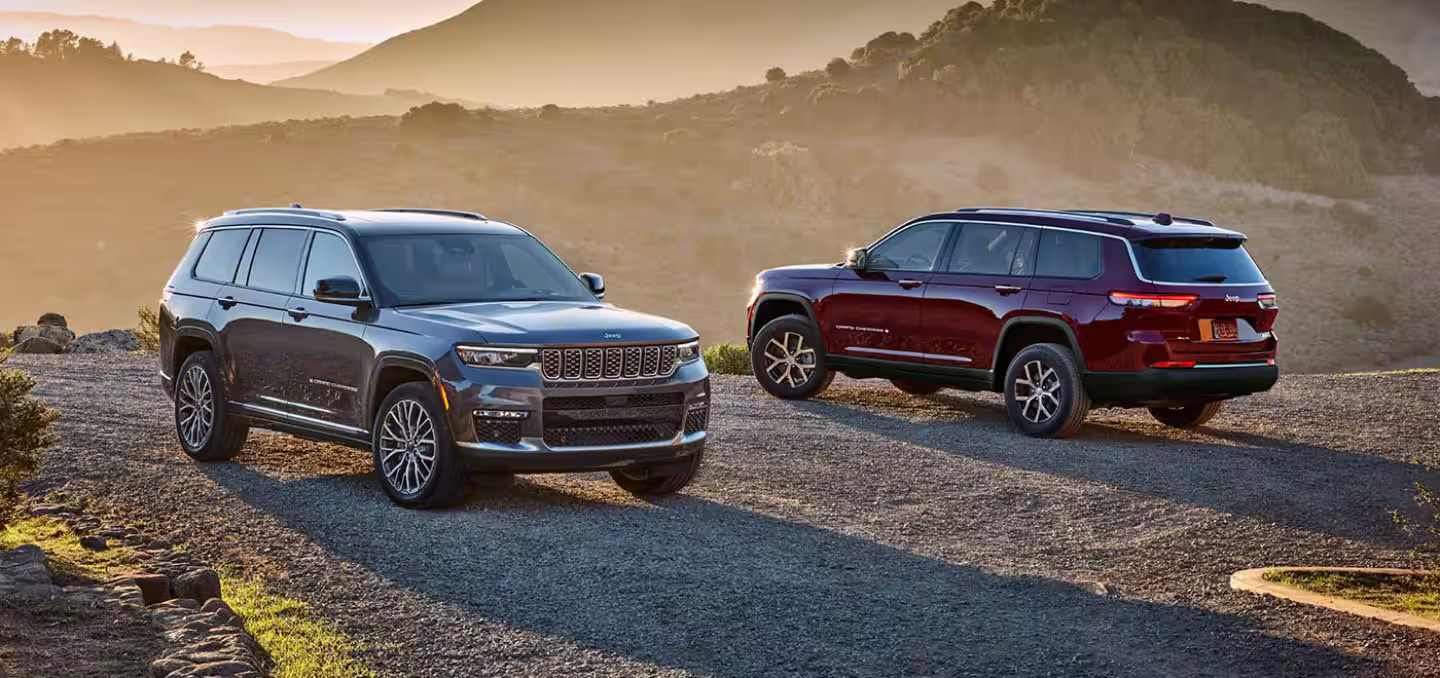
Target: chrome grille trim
{"points": [[610, 363]]}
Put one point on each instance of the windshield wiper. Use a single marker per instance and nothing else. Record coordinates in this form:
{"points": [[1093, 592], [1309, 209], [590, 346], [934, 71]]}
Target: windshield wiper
{"points": [[1213, 278]]}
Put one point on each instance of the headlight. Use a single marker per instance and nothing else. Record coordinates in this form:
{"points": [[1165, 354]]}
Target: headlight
{"points": [[490, 356], [688, 353]]}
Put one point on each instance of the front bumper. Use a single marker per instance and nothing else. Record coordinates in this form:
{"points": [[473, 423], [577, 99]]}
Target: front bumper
{"points": [[1154, 386], [539, 444]]}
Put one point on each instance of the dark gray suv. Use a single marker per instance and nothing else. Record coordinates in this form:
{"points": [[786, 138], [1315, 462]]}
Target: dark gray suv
{"points": [[444, 342]]}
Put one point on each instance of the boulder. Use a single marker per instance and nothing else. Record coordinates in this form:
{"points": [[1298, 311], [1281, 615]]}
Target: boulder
{"points": [[201, 584], [43, 339], [94, 543], [109, 341], [53, 320], [154, 588]]}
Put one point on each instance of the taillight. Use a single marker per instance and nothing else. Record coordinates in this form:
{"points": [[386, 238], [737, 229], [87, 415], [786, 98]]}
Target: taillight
{"points": [[1267, 301], [1170, 364], [1134, 300]]}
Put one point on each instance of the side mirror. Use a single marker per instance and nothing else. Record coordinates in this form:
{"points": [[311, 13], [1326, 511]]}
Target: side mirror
{"points": [[340, 290], [857, 259], [595, 282]]}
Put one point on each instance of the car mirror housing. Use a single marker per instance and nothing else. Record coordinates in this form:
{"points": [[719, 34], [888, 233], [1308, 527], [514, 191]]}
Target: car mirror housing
{"points": [[340, 290], [857, 259], [595, 282]]}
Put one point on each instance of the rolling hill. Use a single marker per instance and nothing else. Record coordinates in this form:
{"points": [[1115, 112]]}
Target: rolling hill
{"points": [[598, 52], [1406, 31], [264, 74]]}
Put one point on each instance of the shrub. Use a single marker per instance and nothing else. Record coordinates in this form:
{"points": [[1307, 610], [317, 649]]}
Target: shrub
{"points": [[838, 68], [1369, 312], [775, 74], [1354, 219], [147, 332], [24, 431], [435, 116], [1427, 529], [551, 112], [728, 359], [992, 178]]}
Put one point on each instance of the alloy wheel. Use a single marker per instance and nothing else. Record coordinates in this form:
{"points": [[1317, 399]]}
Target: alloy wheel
{"points": [[195, 417], [789, 361], [407, 447], [1038, 391]]}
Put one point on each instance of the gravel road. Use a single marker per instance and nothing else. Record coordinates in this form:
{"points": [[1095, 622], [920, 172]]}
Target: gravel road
{"points": [[868, 534]]}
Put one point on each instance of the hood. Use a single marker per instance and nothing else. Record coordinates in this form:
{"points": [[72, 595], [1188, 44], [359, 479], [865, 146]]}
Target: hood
{"points": [[554, 322]]}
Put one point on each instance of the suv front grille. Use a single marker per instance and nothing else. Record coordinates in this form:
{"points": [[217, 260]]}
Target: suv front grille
{"points": [[697, 421], [635, 419], [612, 434], [505, 431], [609, 363]]}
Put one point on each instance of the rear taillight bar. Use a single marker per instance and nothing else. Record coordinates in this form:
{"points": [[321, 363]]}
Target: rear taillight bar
{"points": [[1137, 300], [1267, 301]]}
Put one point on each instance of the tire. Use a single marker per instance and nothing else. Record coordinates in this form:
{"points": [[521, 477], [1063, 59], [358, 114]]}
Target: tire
{"points": [[794, 337], [1189, 416], [410, 423], [1055, 366], [660, 479], [200, 390], [922, 388]]}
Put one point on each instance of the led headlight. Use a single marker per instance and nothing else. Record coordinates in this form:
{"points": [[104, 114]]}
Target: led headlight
{"points": [[490, 356], [688, 353]]}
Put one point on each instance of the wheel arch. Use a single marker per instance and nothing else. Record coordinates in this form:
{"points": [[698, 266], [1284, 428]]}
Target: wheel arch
{"points": [[772, 305], [1023, 331], [392, 371], [189, 341]]}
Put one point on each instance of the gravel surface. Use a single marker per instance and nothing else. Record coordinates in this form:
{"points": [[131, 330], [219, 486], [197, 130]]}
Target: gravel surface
{"points": [[867, 534]]}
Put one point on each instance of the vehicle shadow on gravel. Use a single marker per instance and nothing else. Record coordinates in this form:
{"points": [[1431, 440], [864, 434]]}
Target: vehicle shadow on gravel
{"points": [[716, 590], [1324, 490]]}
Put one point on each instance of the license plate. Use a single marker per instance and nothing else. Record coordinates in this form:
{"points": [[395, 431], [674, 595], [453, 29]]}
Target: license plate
{"points": [[1224, 330]]}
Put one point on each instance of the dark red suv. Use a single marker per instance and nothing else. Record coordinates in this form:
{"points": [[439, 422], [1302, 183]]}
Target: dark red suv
{"points": [[1060, 311]]}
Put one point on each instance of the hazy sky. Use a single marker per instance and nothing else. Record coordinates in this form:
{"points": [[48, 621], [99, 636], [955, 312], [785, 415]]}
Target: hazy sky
{"points": [[350, 20]]}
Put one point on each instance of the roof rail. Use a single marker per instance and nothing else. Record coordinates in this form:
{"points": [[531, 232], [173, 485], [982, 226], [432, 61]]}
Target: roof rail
{"points": [[476, 216], [1112, 218], [298, 211], [1143, 215]]}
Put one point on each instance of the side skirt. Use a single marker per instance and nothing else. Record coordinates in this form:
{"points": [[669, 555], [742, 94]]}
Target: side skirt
{"points": [[319, 432], [964, 378]]}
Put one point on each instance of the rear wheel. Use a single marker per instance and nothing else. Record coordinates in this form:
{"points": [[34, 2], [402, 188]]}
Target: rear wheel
{"points": [[1043, 392], [659, 479], [1189, 416], [415, 458], [788, 358], [916, 387], [207, 430]]}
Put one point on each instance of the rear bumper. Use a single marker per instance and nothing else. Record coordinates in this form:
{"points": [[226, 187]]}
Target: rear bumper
{"points": [[1178, 386]]}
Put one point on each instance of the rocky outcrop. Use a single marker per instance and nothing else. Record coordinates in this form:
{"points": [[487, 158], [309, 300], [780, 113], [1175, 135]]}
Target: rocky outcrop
{"points": [[23, 574], [49, 334], [109, 341]]}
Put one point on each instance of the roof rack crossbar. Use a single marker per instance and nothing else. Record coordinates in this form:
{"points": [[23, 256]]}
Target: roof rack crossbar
{"points": [[1142, 215], [297, 211], [436, 212], [1112, 218]]}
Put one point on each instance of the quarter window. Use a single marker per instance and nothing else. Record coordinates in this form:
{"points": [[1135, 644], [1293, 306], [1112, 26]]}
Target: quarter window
{"points": [[913, 249], [277, 260], [222, 253], [329, 258], [1066, 254], [986, 249]]}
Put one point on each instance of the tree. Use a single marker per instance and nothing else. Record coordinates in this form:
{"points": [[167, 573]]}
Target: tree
{"points": [[57, 45], [24, 431], [188, 60], [14, 47], [838, 68], [775, 74]]}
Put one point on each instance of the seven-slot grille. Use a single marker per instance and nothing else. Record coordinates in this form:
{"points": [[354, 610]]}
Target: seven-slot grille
{"points": [[608, 363]]}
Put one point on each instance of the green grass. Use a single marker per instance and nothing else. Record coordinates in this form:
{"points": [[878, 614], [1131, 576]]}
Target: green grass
{"points": [[302, 644], [1417, 595], [1417, 370], [728, 359], [68, 561]]}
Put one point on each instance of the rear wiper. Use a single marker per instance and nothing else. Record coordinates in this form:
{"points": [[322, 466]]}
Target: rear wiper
{"points": [[1213, 278]]}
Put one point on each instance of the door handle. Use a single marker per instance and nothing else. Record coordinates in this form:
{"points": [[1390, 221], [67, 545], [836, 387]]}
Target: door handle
{"points": [[299, 313], [910, 284], [1006, 290], [227, 303]]}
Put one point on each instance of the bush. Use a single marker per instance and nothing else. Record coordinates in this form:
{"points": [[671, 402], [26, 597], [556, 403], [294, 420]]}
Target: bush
{"points": [[1354, 219], [1369, 312], [1426, 529], [551, 112], [992, 178], [838, 68], [436, 117], [148, 331], [728, 359], [24, 431], [775, 74]]}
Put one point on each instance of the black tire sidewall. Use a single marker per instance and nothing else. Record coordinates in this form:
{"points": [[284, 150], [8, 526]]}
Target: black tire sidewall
{"points": [[820, 378], [439, 489], [1073, 400]]}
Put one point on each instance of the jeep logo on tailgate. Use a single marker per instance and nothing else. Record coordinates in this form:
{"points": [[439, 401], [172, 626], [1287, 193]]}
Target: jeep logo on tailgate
{"points": [[1231, 297]]}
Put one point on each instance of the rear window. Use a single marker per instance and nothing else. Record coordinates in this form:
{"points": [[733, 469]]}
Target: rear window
{"points": [[222, 253], [1197, 260]]}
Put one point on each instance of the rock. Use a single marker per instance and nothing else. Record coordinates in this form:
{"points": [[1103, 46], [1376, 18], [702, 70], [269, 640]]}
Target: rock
{"points": [[1096, 587], [94, 543], [201, 584], [164, 667], [225, 669], [43, 339], [215, 605], [53, 320], [109, 341], [50, 509], [29, 553], [154, 588]]}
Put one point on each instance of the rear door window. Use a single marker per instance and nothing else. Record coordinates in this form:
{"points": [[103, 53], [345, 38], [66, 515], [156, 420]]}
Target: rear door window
{"points": [[277, 260], [222, 253], [986, 249], [1067, 254], [1197, 260]]}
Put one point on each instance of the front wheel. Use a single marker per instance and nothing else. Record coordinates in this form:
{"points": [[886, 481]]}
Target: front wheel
{"points": [[788, 358], [415, 458], [649, 481], [1043, 392], [1189, 416]]}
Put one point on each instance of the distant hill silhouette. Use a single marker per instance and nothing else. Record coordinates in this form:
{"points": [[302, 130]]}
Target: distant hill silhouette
{"points": [[83, 88], [212, 44], [264, 74], [1406, 31], [594, 52]]}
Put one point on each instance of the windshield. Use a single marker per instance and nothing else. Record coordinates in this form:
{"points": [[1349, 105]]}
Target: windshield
{"points": [[413, 270], [1197, 260]]}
